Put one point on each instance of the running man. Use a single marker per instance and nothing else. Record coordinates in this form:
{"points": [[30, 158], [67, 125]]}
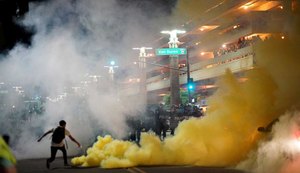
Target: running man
{"points": [[57, 142]]}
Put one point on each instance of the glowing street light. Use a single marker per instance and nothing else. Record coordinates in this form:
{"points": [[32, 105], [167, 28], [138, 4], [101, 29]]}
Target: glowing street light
{"points": [[111, 68], [174, 74], [142, 50], [142, 56], [173, 40], [94, 77], [142, 65], [112, 62]]}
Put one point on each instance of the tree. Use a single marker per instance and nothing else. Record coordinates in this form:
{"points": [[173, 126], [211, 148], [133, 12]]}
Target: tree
{"points": [[183, 97]]}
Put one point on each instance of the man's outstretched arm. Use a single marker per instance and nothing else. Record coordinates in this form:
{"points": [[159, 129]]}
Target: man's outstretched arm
{"points": [[74, 140]]}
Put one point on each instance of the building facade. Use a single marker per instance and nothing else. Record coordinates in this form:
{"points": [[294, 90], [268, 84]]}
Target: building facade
{"points": [[223, 38]]}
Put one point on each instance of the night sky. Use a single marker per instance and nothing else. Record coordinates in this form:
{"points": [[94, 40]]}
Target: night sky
{"points": [[12, 33]]}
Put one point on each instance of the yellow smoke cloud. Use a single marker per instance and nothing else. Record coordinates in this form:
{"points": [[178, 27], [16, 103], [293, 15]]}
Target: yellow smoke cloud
{"points": [[222, 138], [228, 132]]}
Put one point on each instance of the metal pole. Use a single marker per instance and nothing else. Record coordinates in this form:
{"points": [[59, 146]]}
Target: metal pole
{"points": [[188, 74], [174, 74]]}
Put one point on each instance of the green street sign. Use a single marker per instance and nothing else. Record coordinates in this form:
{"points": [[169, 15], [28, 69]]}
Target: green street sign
{"points": [[170, 51]]}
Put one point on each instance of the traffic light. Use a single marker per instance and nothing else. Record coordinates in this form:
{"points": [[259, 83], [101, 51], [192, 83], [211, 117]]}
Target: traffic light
{"points": [[191, 84]]}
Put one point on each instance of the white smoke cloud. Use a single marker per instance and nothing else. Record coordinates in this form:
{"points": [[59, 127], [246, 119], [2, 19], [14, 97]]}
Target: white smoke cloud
{"points": [[73, 40], [280, 150]]}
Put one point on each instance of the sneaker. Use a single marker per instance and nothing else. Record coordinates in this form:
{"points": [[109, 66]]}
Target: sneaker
{"points": [[66, 164], [47, 164]]}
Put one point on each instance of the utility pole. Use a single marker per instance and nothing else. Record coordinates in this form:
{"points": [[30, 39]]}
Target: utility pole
{"points": [[174, 74], [188, 74], [142, 66]]}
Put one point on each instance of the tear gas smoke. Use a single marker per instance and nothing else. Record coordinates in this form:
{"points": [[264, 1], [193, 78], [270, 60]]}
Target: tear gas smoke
{"points": [[228, 133], [279, 151], [73, 42], [224, 137]]}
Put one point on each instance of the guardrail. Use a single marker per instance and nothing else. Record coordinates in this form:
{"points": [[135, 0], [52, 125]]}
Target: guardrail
{"points": [[240, 60], [208, 69]]}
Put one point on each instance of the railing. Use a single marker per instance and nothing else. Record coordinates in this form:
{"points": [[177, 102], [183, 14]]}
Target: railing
{"points": [[239, 53], [132, 90], [235, 61], [240, 60]]}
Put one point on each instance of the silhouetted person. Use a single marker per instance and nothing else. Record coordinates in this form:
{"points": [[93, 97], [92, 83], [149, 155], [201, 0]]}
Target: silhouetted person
{"points": [[6, 138], [138, 128], [163, 126], [57, 142], [131, 126], [268, 128], [173, 123]]}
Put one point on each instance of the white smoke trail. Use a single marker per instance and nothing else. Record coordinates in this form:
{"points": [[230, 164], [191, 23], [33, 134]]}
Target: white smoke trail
{"points": [[280, 150], [73, 39]]}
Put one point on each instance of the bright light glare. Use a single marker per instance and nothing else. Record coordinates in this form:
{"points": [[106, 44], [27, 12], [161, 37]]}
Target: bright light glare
{"points": [[179, 31], [294, 145], [175, 30], [112, 62], [138, 48], [165, 32]]}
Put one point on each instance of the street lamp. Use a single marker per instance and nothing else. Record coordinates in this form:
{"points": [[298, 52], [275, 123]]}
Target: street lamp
{"points": [[111, 68], [142, 55], [142, 65], [174, 74], [94, 77], [173, 40]]}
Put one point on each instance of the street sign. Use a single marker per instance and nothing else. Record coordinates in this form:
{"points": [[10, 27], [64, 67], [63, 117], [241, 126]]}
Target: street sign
{"points": [[170, 51]]}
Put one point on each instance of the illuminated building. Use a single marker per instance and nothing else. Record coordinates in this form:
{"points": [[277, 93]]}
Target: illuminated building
{"points": [[224, 37]]}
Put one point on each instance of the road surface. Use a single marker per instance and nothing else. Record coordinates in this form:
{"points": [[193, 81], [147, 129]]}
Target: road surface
{"points": [[39, 166]]}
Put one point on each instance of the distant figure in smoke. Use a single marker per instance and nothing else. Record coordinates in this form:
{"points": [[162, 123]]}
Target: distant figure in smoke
{"points": [[173, 123], [57, 142]]}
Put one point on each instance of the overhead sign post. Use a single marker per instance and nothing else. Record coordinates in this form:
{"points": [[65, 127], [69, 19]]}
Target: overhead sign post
{"points": [[170, 51]]}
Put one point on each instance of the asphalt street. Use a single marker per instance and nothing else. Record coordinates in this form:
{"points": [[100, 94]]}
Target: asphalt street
{"points": [[39, 166]]}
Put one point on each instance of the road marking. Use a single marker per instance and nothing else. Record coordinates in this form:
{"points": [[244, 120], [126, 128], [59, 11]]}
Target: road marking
{"points": [[135, 170], [139, 170], [130, 170]]}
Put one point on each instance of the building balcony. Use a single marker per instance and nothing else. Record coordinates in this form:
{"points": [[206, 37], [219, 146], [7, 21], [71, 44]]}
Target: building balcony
{"points": [[240, 60]]}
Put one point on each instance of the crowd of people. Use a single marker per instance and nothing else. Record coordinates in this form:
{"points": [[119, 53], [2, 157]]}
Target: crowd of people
{"points": [[235, 46], [160, 120]]}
